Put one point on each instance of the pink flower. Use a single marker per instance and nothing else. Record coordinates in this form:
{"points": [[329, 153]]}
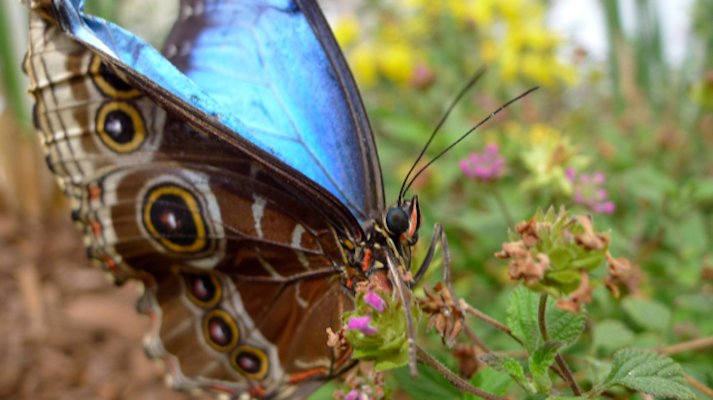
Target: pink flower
{"points": [[356, 395], [485, 166], [422, 76], [361, 324], [589, 192], [375, 301]]}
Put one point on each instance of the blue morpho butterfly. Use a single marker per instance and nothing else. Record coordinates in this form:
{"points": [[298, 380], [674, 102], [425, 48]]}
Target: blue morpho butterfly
{"points": [[234, 173]]}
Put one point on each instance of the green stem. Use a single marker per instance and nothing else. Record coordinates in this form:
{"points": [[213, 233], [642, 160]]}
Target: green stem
{"points": [[490, 321], [10, 66], [502, 205], [566, 373]]}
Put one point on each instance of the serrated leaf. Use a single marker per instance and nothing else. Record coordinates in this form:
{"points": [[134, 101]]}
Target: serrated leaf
{"points": [[648, 372], [513, 368], [647, 314], [516, 372], [564, 326], [540, 361], [492, 381], [522, 317]]}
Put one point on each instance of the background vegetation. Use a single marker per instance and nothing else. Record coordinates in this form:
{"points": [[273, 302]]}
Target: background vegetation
{"points": [[627, 140]]}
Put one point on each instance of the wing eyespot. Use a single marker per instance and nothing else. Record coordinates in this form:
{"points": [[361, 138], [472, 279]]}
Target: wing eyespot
{"points": [[204, 290], [174, 218], [220, 330], [120, 126], [250, 361], [109, 83]]}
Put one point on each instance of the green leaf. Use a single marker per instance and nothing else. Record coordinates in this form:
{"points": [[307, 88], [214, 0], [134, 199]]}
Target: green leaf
{"points": [[648, 372], [647, 314], [428, 385], [565, 398], [510, 366], [564, 326], [540, 361], [611, 335], [492, 381], [325, 392], [522, 317], [513, 368]]}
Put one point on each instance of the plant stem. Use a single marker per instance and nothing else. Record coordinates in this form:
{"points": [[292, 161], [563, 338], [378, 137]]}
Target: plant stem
{"points": [[456, 380], [489, 320], [503, 207], [700, 386], [564, 368], [690, 345]]}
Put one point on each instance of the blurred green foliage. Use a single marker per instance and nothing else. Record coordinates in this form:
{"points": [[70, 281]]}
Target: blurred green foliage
{"points": [[643, 125]]}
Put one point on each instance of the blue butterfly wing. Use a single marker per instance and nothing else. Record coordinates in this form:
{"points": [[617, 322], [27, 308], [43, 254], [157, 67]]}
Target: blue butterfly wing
{"points": [[268, 70]]}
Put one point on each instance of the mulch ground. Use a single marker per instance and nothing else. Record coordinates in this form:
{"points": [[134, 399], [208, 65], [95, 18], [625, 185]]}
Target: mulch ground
{"points": [[66, 332]]}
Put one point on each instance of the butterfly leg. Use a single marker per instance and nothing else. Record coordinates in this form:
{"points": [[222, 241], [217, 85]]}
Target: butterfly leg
{"points": [[426, 263], [438, 234]]}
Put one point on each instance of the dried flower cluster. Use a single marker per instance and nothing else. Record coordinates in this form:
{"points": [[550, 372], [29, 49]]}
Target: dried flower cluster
{"points": [[445, 314], [554, 253]]}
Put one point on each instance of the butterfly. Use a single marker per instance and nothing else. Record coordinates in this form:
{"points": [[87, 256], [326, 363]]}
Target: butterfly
{"points": [[234, 173]]}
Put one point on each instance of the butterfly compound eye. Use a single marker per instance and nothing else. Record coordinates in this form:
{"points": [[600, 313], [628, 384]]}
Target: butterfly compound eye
{"points": [[397, 221]]}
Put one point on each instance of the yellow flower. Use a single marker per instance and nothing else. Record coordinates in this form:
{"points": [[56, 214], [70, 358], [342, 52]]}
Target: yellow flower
{"points": [[396, 62], [346, 30], [489, 51], [538, 68], [548, 155], [513, 10], [363, 63], [508, 65], [483, 12]]}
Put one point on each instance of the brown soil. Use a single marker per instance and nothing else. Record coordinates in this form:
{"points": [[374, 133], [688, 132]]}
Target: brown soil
{"points": [[65, 331]]}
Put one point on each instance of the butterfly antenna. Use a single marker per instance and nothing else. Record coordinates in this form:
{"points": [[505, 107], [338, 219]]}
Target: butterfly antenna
{"points": [[478, 74], [471, 130]]}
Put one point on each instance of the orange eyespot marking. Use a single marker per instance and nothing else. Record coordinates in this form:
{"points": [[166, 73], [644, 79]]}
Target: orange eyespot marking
{"points": [[257, 391], [96, 228], [94, 192], [366, 261], [220, 330], [110, 265], [250, 361], [304, 375]]}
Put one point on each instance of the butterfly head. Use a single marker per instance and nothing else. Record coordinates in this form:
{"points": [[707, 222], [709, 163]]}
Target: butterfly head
{"points": [[401, 222]]}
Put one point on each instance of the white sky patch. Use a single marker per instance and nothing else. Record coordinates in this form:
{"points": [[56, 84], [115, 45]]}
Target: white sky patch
{"points": [[582, 23]]}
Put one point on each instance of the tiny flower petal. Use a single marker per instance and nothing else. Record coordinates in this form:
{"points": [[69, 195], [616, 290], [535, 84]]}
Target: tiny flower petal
{"points": [[485, 166], [570, 174], [588, 191], [361, 324], [375, 301]]}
